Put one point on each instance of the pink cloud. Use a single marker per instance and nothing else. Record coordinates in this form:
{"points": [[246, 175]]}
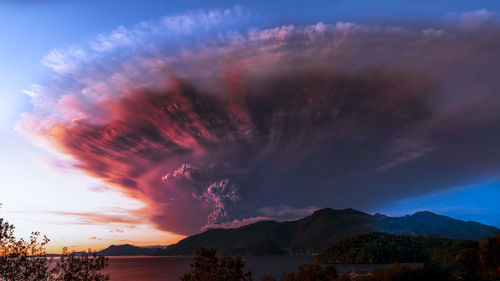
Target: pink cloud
{"points": [[290, 115]]}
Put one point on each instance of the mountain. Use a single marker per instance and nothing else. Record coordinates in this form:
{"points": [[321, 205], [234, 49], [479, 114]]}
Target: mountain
{"points": [[316, 232], [129, 250], [430, 224], [378, 247]]}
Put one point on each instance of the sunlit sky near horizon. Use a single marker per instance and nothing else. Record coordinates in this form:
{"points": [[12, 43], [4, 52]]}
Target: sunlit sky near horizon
{"points": [[89, 160]]}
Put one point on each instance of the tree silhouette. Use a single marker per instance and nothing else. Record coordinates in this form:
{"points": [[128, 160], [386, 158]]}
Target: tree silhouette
{"points": [[489, 258], [405, 273], [27, 260], [482, 262], [311, 272], [85, 267], [208, 267]]}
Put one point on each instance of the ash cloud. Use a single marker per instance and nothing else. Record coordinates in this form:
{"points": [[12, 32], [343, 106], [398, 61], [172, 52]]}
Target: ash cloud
{"points": [[208, 134], [182, 173], [224, 195]]}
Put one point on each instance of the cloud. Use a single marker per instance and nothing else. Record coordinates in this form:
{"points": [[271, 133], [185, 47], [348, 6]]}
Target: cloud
{"points": [[278, 213], [235, 223], [471, 20], [284, 212], [224, 195], [183, 172], [211, 132], [64, 60], [101, 188], [405, 150], [117, 217], [142, 36]]}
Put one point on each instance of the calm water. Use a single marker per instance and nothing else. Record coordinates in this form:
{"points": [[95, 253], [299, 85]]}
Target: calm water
{"points": [[171, 268]]}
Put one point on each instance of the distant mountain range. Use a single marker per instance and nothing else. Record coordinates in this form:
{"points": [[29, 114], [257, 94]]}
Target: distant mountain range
{"points": [[318, 231], [312, 234], [130, 250]]}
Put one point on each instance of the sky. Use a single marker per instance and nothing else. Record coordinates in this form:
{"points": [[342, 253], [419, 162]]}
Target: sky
{"points": [[142, 122]]}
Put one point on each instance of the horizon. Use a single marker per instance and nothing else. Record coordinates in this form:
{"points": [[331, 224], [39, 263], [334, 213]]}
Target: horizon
{"points": [[239, 226], [153, 121]]}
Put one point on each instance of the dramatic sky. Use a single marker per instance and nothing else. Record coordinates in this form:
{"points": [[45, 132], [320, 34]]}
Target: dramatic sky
{"points": [[145, 121]]}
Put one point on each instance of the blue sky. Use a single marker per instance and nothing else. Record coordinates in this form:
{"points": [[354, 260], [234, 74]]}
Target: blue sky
{"points": [[478, 202], [30, 30]]}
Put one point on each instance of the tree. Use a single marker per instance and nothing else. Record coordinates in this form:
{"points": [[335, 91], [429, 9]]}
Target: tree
{"points": [[85, 267], [469, 260], [489, 258], [27, 260], [208, 267], [267, 277], [20, 259], [482, 262], [405, 273], [311, 272]]}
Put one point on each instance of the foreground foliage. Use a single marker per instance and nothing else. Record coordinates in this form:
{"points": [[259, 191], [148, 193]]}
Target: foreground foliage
{"points": [[307, 272], [405, 273], [483, 262], [380, 247], [208, 267], [27, 260], [448, 262], [85, 267], [314, 272]]}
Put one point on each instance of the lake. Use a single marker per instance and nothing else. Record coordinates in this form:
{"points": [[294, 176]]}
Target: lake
{"points": [[171, 268]]}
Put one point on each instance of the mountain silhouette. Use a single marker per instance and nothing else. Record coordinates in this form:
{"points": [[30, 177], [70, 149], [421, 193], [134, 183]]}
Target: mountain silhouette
{"points": [[316, 232], [128, 250]]}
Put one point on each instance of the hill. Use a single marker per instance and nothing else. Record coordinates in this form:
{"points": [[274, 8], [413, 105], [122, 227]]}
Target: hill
{"points": [[129, 250], [430, 224], [389, 248], [321, 229]]}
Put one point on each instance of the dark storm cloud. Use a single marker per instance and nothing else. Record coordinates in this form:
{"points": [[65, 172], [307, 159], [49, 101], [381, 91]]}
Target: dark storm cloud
{"points": [[340, 115]]}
